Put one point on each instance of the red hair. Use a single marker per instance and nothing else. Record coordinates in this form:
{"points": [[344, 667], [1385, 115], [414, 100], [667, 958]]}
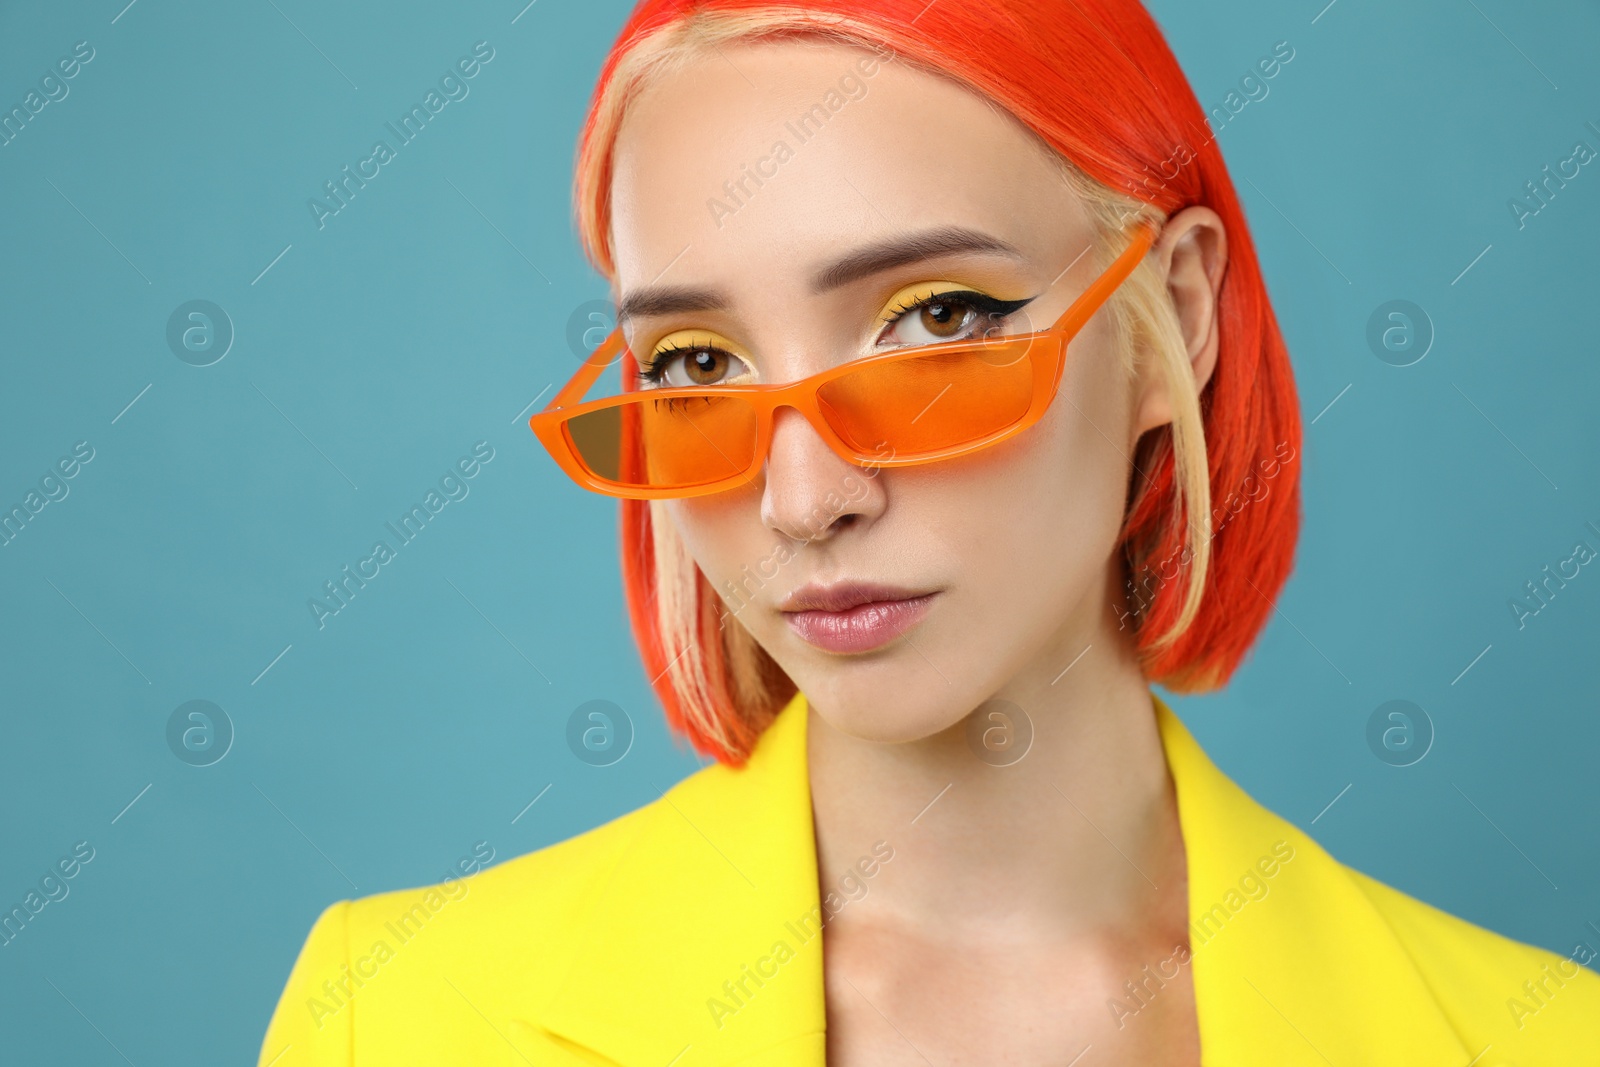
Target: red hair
{"points": [[1097, 82]]}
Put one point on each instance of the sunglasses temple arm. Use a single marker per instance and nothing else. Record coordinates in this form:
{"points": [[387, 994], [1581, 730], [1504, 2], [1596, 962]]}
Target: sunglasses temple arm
{"points": [[1091, 298], [593, 367]]}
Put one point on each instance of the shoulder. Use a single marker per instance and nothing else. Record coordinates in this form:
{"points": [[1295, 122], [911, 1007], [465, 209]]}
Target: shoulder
{"points": [[500, 933], [1386, 977], [533, 893], [1525, 1002]]}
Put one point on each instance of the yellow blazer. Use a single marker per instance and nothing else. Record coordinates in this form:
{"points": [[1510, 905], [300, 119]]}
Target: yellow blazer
{"points": [[686, 934]]}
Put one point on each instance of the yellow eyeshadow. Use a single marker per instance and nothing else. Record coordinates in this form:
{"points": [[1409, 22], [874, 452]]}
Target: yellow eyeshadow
{"points": [[912, 295], [681, 339]]}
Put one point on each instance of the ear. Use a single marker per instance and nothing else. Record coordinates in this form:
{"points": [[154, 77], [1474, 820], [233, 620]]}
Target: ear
{"points": [[1192, 255]]}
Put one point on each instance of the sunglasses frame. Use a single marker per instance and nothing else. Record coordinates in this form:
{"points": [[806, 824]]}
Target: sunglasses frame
{"points": [[1048, 363]]}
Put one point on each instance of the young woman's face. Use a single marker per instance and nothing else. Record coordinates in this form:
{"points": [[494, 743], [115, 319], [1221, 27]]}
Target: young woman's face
{"points": [[778, 238]]}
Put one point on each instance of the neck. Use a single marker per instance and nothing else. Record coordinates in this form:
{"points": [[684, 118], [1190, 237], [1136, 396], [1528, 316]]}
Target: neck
{"points": [[1079, 837]]}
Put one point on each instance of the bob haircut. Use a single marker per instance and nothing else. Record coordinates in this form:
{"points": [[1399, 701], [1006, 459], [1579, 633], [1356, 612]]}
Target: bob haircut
{"points": [[1095, 81]]}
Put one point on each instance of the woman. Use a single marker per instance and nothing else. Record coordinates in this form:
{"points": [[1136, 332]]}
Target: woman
{"points": [[906, 563]]}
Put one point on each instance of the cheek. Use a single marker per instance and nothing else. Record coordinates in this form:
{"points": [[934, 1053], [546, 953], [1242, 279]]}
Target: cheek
{"points": [[723, 534], [1038, 516], [704, 531]]}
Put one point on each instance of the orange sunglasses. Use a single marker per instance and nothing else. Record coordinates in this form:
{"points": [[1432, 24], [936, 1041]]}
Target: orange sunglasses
{"points": [[910, 405]]}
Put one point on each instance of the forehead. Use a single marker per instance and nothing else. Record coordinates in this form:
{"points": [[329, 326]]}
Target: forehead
{"points": [[781, 154]]}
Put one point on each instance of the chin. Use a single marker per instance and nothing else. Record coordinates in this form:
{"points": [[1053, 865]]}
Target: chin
{"points": [[891, 697]]}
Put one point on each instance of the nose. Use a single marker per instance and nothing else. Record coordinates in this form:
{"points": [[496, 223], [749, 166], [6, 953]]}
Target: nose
{"points": [[811, 493]]}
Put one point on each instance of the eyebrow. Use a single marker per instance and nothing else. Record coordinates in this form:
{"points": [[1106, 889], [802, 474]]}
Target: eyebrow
{"points": [[910, 248], [864, 262], [669, 300]]}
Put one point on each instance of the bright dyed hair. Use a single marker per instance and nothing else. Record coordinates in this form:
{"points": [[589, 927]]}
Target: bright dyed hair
{"points": [[1096, 81]]}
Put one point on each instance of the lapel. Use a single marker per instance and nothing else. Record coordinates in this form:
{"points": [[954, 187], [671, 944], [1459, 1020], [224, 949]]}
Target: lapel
{"points": [[1296, 966], [702, 948]]}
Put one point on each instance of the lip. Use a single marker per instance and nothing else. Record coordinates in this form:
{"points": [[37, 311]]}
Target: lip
{"points": [[853, 616]]}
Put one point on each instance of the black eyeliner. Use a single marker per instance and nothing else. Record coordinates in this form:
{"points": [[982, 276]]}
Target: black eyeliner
{"points": [[983, 303]]}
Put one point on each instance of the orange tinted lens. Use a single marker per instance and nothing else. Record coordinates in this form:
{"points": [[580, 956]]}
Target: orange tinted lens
{"points": [[667, 443], [934, 402]]}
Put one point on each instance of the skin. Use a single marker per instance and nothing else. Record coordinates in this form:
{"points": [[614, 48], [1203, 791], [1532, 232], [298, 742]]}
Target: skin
{"points": [[1020, 899]]}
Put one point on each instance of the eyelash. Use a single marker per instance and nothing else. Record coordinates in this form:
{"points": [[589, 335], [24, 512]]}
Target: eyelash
{"points": [[985, 305], [653, 368]]}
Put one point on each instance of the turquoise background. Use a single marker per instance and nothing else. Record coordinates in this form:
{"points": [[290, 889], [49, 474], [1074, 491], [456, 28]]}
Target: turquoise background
{"points": [[428, 314]]}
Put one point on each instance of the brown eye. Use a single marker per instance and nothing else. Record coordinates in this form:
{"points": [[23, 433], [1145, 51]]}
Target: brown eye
{"points": [[705, 366], [945, 318], [689, 366], [924, 317]]}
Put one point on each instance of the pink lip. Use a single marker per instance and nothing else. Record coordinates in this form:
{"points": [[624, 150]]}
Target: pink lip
{"points": [[854, 617]]}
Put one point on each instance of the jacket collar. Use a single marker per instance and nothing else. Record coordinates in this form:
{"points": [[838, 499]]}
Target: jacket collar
{"points": [[697, 922], [1295, 967], [709, 920]]}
